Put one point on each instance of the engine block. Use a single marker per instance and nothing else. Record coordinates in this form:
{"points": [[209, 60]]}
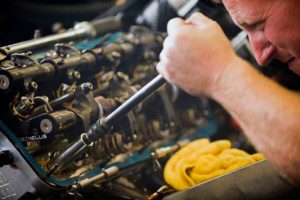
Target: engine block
{"points": [[50, 97]]}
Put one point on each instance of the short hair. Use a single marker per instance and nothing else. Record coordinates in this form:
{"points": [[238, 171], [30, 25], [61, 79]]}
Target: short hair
{"points": [[217, 1]]}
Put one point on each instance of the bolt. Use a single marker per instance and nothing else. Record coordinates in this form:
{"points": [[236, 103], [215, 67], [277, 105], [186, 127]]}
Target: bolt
{"points": [[33, 86], [46, 126], [86, 87], [4, 82], [28, 102], [76, 75]]}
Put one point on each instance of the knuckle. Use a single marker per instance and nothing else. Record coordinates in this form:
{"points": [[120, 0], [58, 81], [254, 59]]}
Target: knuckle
{"points": [[167, 54], [178, 37], [174, 21], [162, 55], [167, 42], [173, 25], [175, 34], [159, 67]]}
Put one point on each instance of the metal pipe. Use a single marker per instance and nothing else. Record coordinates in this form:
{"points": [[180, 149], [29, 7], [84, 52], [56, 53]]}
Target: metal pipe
{"points": [[104, 175], [135, 99], [79, 31]]}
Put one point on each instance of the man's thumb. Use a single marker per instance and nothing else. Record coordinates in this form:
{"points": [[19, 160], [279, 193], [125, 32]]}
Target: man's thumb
{"points": [[199, 20]]}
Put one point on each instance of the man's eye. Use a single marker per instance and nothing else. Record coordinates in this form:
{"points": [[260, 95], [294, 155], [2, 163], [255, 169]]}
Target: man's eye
{"points": [[258, 26]]}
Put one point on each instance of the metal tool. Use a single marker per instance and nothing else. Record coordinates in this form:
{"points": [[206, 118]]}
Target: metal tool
{"points": [[102, 126]]}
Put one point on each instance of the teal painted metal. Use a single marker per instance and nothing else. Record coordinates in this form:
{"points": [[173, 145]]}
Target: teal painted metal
{"points": [[208, 130]]}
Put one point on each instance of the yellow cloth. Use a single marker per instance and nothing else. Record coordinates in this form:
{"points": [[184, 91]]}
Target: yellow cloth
{"points": [[202, 160]]}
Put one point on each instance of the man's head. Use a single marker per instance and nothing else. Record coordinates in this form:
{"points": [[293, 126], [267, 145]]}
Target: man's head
{"points": [[272, 26]]}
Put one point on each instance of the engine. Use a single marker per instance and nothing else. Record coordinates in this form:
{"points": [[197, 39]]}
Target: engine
{"points": [[57, 93]]}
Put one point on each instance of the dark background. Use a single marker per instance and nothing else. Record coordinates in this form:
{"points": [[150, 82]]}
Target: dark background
{"points": [[19, 18]]}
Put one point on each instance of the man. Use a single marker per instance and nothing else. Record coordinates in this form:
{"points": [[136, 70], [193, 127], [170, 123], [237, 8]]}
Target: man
{"points": [[199, 58]]}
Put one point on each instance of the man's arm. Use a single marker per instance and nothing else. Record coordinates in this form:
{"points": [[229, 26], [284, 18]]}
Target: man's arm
{"points": [[268, 113], [198, 57]]}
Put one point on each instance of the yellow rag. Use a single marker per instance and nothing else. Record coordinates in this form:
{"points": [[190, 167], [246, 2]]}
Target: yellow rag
{"points": [[202, 160]]}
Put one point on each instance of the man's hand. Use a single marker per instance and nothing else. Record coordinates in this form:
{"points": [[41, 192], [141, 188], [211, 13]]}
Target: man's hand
{"points": [[195, 54]]}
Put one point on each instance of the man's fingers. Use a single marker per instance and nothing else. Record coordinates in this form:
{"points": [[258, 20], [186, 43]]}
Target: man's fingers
{"points": [[162, 55], [168, 42], [174, 25], [160, 68], [199, 20]]}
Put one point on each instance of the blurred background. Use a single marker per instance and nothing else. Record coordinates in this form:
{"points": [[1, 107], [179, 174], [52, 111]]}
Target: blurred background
{"points": [[20, 18]]}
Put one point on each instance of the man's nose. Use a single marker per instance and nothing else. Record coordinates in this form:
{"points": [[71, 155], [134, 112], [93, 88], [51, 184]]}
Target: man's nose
{"points": [[262, 48]]}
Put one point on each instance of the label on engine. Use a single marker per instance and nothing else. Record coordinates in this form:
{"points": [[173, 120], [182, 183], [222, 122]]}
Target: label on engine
{"points": [[34, 138]]}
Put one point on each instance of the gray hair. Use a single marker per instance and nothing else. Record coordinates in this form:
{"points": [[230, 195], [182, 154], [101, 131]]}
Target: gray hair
{"points": [[217, 1]]}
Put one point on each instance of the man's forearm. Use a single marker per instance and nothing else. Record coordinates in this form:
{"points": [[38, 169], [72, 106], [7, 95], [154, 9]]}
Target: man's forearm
{"points": [[268, 114]]}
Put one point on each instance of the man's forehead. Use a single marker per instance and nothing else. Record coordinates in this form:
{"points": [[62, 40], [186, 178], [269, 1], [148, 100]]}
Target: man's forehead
{"points": [[245, 11]]}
